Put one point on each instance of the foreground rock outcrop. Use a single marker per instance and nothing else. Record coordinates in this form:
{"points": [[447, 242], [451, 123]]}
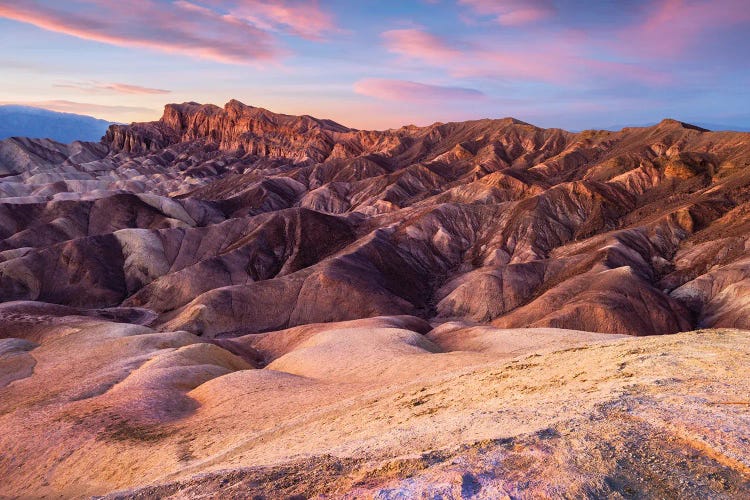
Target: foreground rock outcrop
{"points": [[383, 407]]}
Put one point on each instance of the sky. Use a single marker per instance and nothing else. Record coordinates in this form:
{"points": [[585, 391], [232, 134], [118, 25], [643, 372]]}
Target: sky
{"points": [[385, 63]]}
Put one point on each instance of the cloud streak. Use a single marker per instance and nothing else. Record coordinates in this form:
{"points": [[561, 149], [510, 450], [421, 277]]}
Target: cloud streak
{"points": [[418, 44], [302, 18], [560, 58], [404, 90], [230, 32], [117, 88], [512, 12], [669, 27]]}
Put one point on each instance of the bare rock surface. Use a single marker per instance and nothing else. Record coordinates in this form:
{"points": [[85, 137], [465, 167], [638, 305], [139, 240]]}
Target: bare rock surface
{"points": [[234, 220], [372, 408], [234, 302]]}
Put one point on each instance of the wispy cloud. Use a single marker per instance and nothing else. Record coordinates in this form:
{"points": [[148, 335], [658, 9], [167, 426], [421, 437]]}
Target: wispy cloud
{"points": [[558, 58], [303, 18], [419, 44], [670, 27], [512, 12], [227, 31], [403, 90], [118, 88]]}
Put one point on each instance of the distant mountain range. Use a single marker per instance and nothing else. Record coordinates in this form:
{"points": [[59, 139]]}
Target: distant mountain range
{"points": [[26, 121]]}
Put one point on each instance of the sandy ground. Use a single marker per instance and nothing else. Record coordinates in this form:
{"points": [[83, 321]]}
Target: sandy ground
{"points": [[372, 409]]}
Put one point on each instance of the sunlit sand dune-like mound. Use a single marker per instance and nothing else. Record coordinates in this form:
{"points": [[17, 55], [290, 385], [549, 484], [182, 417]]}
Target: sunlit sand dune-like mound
{"points": [[376, 408]]}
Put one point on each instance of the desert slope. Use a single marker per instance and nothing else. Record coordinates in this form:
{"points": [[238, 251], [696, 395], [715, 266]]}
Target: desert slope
{"points": [[369, 408]]}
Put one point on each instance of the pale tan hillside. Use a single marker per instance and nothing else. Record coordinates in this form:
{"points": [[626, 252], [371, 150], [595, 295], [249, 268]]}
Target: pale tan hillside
{"points": [[370, 408]]}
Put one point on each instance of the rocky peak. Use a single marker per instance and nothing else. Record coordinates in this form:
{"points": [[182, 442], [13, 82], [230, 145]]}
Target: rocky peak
{"points": [[177, 116], [259, 132], [672, 123], [235, 127]]}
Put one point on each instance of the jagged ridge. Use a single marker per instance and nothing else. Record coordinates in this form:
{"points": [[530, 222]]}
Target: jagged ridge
{"points": [[233, 220]]}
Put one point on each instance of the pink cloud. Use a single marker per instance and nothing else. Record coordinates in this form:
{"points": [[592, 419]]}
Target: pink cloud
{"points": [[560, 58], [402, 90], [184, 27], [124, 88], [670, 27], [304, 18], [120, 88], [512, 12], [418, 44]]}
